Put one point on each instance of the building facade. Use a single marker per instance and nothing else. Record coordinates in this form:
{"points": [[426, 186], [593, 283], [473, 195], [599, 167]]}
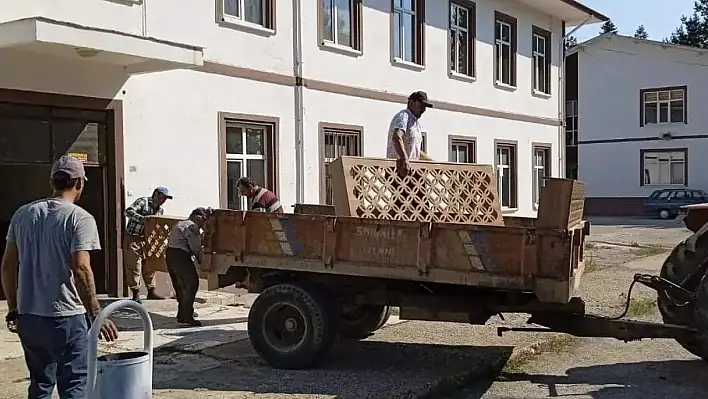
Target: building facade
{"points": [[639, 122], [195, 97]]}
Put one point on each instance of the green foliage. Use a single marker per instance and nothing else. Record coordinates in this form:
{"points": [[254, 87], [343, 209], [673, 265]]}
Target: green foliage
{"points": [[608, 27], [641, 33], [693, 30]]}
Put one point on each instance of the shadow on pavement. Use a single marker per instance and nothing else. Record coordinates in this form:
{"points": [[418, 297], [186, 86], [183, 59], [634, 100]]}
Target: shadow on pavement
{"points": [[650, 379], [634, 222], [354, 369]]}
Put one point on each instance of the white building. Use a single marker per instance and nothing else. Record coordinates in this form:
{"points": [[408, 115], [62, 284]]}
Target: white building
{"points": [[194, 96], [640, 118]]}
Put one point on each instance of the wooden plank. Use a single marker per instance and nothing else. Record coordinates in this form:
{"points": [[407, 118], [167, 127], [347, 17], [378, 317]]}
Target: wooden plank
{"points": [[561, 204]]}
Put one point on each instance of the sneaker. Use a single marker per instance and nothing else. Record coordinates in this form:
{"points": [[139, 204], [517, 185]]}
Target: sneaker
{"points": [[152, 295], [136, 296]]}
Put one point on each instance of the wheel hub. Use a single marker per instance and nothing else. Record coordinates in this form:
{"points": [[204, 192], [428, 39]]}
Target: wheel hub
{"points": [[284, 327], [290, 324]]}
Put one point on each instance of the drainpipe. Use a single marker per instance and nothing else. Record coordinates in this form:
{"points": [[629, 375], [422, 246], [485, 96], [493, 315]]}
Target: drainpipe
{"points": [[299, 104], [145, 17], [561, 97]]}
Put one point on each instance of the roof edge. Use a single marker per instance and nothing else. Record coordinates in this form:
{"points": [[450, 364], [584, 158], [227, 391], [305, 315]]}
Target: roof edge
{"points": [[582, 7]]}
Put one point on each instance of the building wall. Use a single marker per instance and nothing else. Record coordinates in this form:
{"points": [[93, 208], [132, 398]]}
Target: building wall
{"points": [[611, 75], [171, 119]]}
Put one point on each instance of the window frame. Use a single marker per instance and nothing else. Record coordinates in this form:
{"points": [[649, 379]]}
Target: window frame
{"points": [[642, 154], [514, 184], [500, 17], [269, 21], [573, 117], [356, 23], [323, 128], [271, 150], [547, 169], [469, 141], [642, 105], [419, 38], [547, 58], [471, 8]]}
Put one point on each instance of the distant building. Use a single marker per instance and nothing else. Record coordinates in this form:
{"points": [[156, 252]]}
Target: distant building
{"points": [[636, 120]]}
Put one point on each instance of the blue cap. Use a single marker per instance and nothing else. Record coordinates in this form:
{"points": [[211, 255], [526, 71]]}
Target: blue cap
{"points": [[164, 191]]}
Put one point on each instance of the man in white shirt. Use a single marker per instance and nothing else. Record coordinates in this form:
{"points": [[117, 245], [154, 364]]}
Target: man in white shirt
{"points": [[404, 133]]}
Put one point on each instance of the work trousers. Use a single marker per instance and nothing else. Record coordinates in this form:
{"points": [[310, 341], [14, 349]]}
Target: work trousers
{"points": [[56, 353], [135, 265], [185, 280]]}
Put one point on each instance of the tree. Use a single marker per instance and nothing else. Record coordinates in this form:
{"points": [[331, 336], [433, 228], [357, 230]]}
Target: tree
{"points": [[693, 30], [570, 41], [608, 27], [641, 33]]}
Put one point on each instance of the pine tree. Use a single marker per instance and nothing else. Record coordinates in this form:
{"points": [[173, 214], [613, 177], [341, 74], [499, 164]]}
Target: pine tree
{"points": [[641, 33], [608, 27], [570, 41], [693, 30]]}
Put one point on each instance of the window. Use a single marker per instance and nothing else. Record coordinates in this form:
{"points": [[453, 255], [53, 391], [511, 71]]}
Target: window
{"points": [[664, 167], [663, 105], [506, 174], [541, 44], [571, 123], [340, 22], [505, 49], [408, 30], [338, 141], [462, 37], [541, 170], [256, 12], [462, 151], [249, 151]]}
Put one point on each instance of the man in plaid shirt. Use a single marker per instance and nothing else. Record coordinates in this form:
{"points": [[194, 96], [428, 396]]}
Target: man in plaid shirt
{"points": [[134, 251]]}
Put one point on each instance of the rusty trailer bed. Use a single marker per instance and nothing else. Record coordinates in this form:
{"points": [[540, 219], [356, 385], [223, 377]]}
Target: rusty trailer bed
{"points": [[547, 262]]}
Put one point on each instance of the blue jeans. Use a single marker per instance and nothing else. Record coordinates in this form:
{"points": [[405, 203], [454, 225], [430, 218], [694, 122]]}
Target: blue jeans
{"points": [[56, 354]]}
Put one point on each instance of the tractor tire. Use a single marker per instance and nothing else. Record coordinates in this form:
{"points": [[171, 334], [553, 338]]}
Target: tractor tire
{"points": [[362, 321], [292, 326], [680, 263]]}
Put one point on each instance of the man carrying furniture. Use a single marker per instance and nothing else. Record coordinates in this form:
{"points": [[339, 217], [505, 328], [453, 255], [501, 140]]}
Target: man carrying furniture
{"points": [[184, 246], [134, 251]]}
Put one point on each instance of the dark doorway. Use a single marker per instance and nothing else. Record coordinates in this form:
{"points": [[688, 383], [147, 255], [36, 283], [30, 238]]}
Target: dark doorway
{"points": [[31, 138]]}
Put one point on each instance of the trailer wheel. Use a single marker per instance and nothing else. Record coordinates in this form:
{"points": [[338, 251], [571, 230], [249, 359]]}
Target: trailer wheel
{"points": [[360, 321], [292, 326], [680, 263]]}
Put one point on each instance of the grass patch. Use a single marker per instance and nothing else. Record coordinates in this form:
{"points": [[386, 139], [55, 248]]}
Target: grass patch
{"points": [[556, 344], [641, 306], [648, 251], [590, 264]]}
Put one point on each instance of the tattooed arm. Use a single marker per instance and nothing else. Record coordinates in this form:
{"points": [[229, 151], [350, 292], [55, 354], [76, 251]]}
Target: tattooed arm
{"points": [[85, 239]]}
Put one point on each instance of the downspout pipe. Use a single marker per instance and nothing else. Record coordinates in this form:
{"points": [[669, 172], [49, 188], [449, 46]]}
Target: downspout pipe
{"points": [[299, 111], [561, 97]]}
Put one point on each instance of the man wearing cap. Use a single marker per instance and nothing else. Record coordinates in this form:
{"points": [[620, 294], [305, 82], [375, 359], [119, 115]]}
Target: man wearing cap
{"points": [[404, 133], [184, 246], [134, 252], [50, 287]]}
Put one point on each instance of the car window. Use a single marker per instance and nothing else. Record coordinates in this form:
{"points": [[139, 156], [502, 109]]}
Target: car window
{"points": [[664, 194], [696, 194], [679, 195]]}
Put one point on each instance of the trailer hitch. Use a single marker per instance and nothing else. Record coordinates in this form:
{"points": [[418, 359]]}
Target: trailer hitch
{"points": [[671, 289]]}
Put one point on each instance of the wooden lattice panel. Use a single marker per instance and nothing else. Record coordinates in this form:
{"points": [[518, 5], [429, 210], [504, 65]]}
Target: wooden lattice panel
{"points": [[439, 192], [157, 231]]}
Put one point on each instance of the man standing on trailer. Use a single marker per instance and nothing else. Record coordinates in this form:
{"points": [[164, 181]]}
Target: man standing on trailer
{"points": [[184, 246], [49, 284], [134, 251], [264, 200], [404, 133]]}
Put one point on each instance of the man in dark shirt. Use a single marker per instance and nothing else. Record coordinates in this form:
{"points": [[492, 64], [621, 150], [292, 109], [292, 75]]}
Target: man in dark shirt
{"points": [[264, 200]]}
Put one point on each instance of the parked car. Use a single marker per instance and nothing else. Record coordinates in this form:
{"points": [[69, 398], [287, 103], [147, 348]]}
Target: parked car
{"points": [[666, 203]]}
